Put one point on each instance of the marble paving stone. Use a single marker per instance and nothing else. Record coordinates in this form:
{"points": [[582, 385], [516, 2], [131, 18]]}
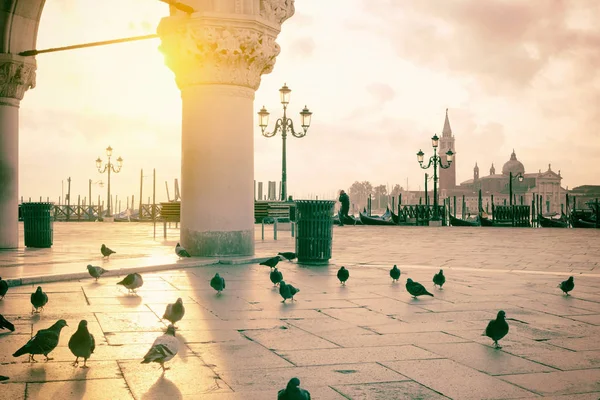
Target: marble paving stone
{"points": [[12, 391], [391, 339], [103, 352], [129, 322], [455, 380], [319, 392], [236, 324], [415, 327], [192, 311], [320, 325], [114, 389], [558, 383], [593, 319], [576, 344], [568, 360], [59, 371], [355, 355], [235, 356], [11, 343], [310, 377], [73, 323], [448, 318], [581, 396], [389, 306], [485, 358], [358, 316], [389, 390], [290, 338], [186, 377]]}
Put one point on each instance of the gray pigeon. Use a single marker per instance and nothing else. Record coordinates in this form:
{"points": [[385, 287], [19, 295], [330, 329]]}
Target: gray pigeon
{"points": [[395, 274], [4, 324], [287, 291], [567, 286], [497, 328], [4, 378], [106, 252], [217, 283], [132, 282], [180, 251], [293, 392], [439, 279], [163, 349], [44, 341], [3, 288], [38, 300], [82, 343], [271, 262], [174, 312], [288, 255], [95, 272], [343, 274], [276, 276], [416, 289]]}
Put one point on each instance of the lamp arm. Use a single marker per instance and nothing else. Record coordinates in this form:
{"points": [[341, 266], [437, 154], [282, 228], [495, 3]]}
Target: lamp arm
{"points": [[277, 128], [294, 133], [104, 170], [428, 165], [442, 165], [116, 171]]}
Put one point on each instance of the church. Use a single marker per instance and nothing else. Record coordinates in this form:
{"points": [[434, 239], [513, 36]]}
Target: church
{"points": [[546, 183]]}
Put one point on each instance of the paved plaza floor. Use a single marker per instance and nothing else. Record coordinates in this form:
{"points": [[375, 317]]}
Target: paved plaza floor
{"points": [[366, 340]]}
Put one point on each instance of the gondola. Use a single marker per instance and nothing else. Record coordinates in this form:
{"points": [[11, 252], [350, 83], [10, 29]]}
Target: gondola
{"points": [[385, 219], [582, 223], [484, 220], [552, 222], [348, 220], [464, 222]]}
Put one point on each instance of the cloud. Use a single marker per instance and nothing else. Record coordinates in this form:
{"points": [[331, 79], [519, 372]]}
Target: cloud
{"points": [[382, 92], [303, 47]]}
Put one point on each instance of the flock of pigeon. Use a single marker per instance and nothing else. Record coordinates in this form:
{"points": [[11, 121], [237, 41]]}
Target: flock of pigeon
{"points": [[82, 343]]}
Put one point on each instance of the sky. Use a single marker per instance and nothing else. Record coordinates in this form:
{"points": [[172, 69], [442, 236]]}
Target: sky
{"points": [[378, 76]]}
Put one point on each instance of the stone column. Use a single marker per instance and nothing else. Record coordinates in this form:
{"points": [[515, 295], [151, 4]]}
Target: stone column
{"points": [[17, 74], [218, 55]]}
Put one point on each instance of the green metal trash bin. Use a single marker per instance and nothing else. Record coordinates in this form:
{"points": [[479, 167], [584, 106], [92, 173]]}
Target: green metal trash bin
{"points": [[314, 223], [37, 224]]}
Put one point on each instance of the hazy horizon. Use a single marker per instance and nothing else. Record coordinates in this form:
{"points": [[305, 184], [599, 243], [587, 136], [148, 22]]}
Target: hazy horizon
{"points": [[378, 77]]}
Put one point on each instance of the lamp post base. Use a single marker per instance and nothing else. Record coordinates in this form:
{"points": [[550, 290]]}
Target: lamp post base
{"points": [[108, 219], [435, 222], [214, 244]]}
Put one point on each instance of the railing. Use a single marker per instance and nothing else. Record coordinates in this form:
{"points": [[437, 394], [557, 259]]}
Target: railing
{"points": [[420, 213], [515, 215]]}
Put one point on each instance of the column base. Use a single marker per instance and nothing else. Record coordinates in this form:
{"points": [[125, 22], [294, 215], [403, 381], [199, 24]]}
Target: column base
{"points": [[215, 244]]}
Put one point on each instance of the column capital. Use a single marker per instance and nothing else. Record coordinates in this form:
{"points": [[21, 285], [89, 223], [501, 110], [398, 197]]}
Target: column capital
{"points": [[17, 75], [212, 47]]}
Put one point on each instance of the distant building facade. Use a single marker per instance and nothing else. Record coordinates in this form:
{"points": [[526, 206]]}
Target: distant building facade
{"points": [[447, 177]]}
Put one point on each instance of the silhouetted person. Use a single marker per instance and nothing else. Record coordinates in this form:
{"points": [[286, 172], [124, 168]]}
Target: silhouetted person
{"points": [[345, 200]]}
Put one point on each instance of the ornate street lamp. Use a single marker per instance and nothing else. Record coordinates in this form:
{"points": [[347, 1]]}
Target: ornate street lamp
{"points": [[436, 161], [109, 167], [283, 125], [510, 186]]}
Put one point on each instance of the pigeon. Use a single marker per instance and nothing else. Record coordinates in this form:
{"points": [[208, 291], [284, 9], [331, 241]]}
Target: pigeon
{"points": [[293, 392], [163, 349], [95, 272], [82, 343], [416, 289], [38, 300], [343, 274], [174, 312], [132, 282], [395, 274], [3, 288], [287, 291], [271, 262], [4, 378], [180, 251], [497, 328], [439, 279], [217, 283], [567, 286], [288, 255], [4, 324], [106, 252], [276, 276], [44, 341]]}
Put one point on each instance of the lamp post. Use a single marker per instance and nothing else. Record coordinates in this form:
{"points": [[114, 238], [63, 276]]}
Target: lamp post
{"points": [[510, 186], [108, 167], [436, 161], [283, 125]]}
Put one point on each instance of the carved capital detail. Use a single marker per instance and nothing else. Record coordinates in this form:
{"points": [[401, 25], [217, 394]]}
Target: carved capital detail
{"points": [[200, 52], [276, 11], [16, 77]]}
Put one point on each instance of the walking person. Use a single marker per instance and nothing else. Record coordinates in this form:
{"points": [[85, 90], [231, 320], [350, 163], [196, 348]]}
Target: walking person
{"points": [[345, 200]]}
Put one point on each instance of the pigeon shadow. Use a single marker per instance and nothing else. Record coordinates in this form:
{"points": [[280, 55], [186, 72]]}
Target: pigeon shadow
{"points": [[163, 389], [130, 301]]}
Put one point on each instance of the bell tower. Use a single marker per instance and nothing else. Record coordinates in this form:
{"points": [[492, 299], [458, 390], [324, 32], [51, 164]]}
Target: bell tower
{"points": [[447, 176]]}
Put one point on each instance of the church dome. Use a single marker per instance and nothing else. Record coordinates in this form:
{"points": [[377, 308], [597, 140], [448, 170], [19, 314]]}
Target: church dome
{"points": [[513, 165]]}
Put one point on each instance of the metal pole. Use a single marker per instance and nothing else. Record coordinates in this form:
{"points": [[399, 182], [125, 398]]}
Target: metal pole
{"points": [[283, 156], [141, 187], [510, 189], [426, 194], [435, 179], [90, 197], [108, 195], [154, 200]]}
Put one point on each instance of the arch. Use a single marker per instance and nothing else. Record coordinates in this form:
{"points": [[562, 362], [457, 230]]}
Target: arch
{"points": [[19, 23]]}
